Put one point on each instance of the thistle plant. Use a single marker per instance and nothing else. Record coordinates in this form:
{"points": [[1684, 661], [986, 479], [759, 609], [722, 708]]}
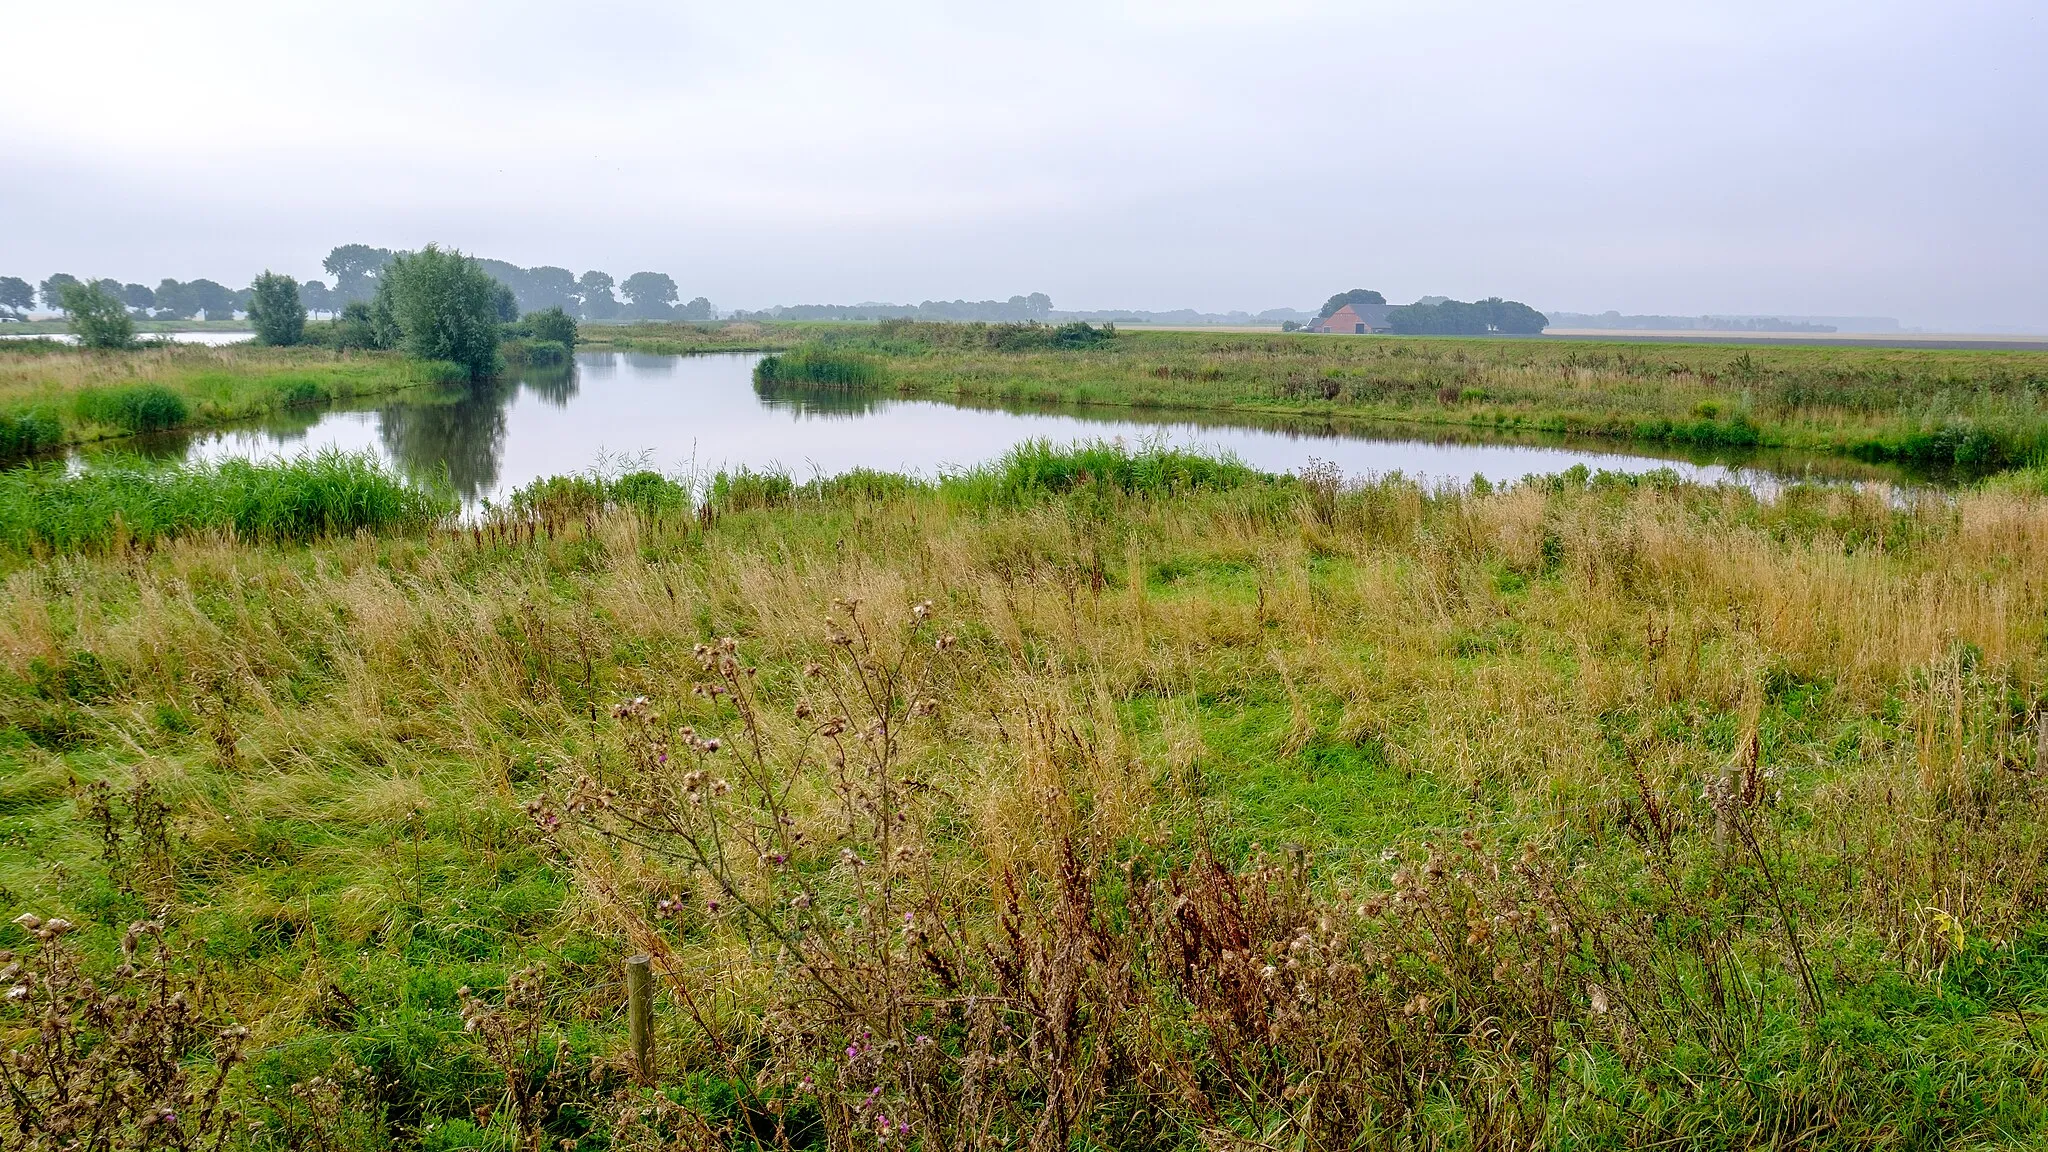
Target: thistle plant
{"points": [[128, 1061]]}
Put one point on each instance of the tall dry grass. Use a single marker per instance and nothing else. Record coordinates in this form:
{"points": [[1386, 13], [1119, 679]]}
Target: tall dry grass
{"points": [[1272, 812]]}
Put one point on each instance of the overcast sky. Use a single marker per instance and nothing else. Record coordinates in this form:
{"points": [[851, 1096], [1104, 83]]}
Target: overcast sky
{"points": [[1794, 156]]}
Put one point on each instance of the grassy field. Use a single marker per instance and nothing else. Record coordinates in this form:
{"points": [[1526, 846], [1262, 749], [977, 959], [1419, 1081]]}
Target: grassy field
{"points": [[1965, 410], [1086, 801], [53, 395]]}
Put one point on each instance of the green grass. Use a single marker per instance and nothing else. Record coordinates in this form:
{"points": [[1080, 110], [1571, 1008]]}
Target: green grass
{"points": [[50, 508], [1966, 410], [1152, 655], [54, 395]]}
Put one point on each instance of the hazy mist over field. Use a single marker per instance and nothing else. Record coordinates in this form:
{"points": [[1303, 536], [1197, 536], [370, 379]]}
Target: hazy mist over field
{"points": [[1871, 158]]}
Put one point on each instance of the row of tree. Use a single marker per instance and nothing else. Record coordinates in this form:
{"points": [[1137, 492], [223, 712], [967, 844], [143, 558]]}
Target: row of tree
{"points": [[358, 268], [431, 304], [169, 300], [1491, 316], [1033, 309]]}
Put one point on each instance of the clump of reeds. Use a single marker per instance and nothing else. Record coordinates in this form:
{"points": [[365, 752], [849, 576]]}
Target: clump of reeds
{"points": [[819, 365], [52, 508], [134, 407], [1039, 468]]}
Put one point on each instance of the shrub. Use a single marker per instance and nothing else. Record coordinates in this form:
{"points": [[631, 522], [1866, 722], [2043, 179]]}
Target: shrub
{"points": [[134, 407], [551, 324]]}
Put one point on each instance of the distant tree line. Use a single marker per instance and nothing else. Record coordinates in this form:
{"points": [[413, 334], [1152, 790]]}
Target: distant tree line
{"points": [[169, 300], [1035, 308], [1456, 318], [433, 304], [357, 269]]}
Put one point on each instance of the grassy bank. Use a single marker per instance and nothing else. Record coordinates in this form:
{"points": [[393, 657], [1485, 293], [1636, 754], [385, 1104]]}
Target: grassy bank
{"points": [[1973, 410], [53, 395], [1089, 800], [674, 338]]}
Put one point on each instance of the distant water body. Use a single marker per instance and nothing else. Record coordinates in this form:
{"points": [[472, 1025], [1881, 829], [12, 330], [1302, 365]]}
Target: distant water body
{"points": [[699, 414]]}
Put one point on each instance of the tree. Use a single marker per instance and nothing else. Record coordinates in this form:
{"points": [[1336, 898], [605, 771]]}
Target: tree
{"points": [[1357, 296], [174, 301], [595, 290], [17, 296], [53, 291], [698, 309], [356, 269], [651, 294], [1514, 316], [216, 300], [138, 297], [275, 310], [549, 287], [506, 301], [444, 307], [315, 296], [100, 320]]}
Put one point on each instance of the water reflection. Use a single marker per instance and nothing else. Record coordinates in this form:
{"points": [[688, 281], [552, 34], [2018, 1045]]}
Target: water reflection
{"points": [[701, 413]]}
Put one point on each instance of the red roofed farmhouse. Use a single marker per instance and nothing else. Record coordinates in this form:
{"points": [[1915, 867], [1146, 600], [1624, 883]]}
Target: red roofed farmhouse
{"points": [[1354, 318]]}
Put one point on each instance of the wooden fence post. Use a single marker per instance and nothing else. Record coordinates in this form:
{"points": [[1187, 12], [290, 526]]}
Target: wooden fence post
{"points": [[640, 1014]]}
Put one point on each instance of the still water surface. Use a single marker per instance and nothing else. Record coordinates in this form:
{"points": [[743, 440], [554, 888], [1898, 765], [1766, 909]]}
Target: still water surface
{"points": [[699, 414]]}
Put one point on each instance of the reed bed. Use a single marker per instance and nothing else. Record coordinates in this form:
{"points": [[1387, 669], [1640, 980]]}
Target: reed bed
{"points": [[114, 505], [1080, 802]]}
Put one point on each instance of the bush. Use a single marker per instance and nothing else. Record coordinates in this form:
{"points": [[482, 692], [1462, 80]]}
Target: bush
{"points": [[552, 325], [359, 327], [134, 407]]}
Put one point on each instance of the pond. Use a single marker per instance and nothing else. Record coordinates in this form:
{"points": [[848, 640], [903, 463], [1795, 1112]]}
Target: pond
{"points": [[699, 414]]}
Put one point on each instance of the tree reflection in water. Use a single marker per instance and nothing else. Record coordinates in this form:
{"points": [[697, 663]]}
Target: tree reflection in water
{"points": [[458, 437]]}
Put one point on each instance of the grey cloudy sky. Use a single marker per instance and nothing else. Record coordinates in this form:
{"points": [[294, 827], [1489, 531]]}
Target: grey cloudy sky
{"points": [[1797, 156]]}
